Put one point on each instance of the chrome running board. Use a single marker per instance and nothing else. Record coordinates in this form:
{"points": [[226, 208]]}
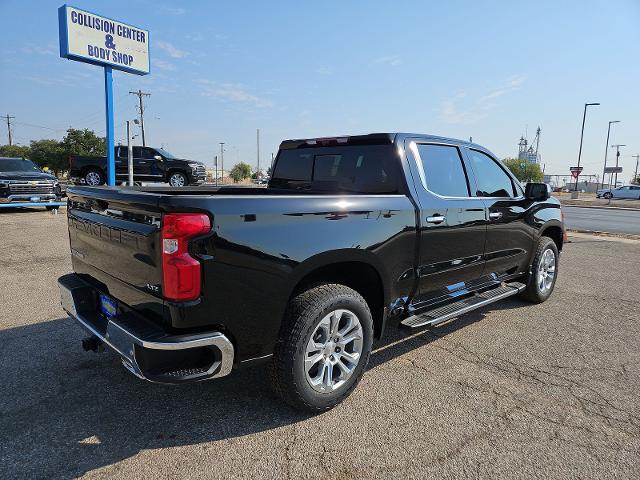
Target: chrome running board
{"points": [[460, 307]]}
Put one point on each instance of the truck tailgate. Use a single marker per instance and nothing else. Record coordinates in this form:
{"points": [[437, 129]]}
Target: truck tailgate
{"points": [[115, 237]]}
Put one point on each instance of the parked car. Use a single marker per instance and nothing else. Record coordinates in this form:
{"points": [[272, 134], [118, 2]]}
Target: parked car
{"points": [[21, 181], [149, 165], [627, 191], [353, 235]]}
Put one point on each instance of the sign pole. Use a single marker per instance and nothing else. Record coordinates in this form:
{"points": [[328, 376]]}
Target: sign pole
{"points": [[129, 154], [108, 96]]}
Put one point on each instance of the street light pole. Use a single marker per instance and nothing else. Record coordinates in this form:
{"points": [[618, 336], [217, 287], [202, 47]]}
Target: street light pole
{"points": [[584, 117], [617, 147], [606, 150], [635, 176]]}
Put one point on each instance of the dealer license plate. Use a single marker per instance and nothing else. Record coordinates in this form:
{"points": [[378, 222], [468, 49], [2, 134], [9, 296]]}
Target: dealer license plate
{"points": [[108, 306]]}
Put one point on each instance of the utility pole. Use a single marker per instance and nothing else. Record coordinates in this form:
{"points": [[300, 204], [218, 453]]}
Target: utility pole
{"points": [[141, 94], [635, 177], [584, 117], [258, 149], [617, 147], [9, 128], [222, 160]]}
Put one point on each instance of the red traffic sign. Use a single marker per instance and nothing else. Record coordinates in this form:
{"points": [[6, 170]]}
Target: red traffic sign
{"points": [[575, 171]]}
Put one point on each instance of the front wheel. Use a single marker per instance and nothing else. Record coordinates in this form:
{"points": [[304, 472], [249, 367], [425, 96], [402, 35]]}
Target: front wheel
{"points": [[178, 179], [324, 347], [544, 272], [608, 195]]}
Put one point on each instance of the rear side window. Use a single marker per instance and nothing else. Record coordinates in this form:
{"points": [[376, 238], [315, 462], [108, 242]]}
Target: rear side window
{"points": [[491, 179], [443, 170], [354, 169]]}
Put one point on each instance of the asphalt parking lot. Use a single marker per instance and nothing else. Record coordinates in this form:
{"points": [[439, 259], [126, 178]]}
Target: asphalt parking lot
{"points": [[513, 390]]}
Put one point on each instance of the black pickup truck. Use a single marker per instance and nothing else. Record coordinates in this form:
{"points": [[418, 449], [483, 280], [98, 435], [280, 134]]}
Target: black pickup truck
{"points": [[352, 235], [149, 165], [21, 181]]}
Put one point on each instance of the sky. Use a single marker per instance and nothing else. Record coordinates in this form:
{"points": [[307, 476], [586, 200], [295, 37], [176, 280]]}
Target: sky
{"points": [[490, 70]]}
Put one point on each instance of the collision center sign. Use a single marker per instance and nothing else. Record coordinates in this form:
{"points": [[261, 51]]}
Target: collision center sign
{"points": [[91, 38]]}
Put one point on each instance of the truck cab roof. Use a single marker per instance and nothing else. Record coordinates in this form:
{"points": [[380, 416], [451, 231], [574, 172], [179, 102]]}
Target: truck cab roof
{"points": [[372, 139]]}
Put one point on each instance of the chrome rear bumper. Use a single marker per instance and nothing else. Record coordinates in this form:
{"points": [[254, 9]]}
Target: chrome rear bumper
{"points": [[146, 351]]}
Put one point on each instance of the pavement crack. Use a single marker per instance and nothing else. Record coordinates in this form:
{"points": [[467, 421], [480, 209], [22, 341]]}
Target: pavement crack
{"points": [[592, 402]]}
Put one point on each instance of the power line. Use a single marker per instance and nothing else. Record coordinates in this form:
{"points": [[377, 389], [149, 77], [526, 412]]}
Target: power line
{"points": [[9, 128], [141, 94]]}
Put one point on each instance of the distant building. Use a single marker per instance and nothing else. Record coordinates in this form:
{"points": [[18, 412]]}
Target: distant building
{"points": [[526, 151]]}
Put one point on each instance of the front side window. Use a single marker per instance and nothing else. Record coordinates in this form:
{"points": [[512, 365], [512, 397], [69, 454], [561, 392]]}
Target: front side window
{"points": [[491, 179], [443, 170], [148, 153]]}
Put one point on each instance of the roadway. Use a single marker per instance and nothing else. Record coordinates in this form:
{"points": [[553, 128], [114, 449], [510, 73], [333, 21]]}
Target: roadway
{"points": [[602, 219]]}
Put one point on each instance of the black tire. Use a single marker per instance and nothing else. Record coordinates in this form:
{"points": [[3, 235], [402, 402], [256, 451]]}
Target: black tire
{"points": [[302, 318], [178, 179], [608, 195], [52, 208], [94, 177], [534, 292]]}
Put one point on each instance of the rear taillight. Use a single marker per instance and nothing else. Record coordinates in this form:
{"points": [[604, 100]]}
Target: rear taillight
{"points": [[180, 271]]}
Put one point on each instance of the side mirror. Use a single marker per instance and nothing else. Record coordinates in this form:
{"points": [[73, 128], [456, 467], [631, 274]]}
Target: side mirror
{"points": [[157, 157], [538, 192]]}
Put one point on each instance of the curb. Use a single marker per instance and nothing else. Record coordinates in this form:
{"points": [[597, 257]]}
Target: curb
{"points": [[599, 233], [604, 207]]}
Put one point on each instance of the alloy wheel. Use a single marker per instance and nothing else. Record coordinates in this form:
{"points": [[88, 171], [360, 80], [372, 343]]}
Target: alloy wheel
{"points": [[546, 271], [177, 180], [92, 178], [334, 351]]}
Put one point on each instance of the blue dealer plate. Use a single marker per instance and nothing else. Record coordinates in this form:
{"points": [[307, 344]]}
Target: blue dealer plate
{"points": [[108, 306]]}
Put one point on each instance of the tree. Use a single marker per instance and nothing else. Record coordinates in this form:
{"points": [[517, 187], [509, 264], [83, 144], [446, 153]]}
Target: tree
{"points": [[83, 142], [19, 151], [523, 170], [49, 153], [636, 180], [240, 171]]}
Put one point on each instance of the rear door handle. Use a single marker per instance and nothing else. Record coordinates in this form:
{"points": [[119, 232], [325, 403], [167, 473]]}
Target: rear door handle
{"points": [[495, 215], [435, 219]]}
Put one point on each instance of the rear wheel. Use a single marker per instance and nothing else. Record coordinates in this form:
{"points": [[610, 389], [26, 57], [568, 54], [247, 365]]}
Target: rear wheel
{"points": [[94, 177], [178, 179], [324, 347], [544, 272]]}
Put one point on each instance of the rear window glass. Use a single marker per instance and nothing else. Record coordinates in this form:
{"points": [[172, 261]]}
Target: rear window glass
{"points": [[354, 169]]}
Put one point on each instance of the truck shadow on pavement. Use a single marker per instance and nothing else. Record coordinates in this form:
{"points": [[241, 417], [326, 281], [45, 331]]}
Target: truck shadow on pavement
{"points": [[65, 412]]}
